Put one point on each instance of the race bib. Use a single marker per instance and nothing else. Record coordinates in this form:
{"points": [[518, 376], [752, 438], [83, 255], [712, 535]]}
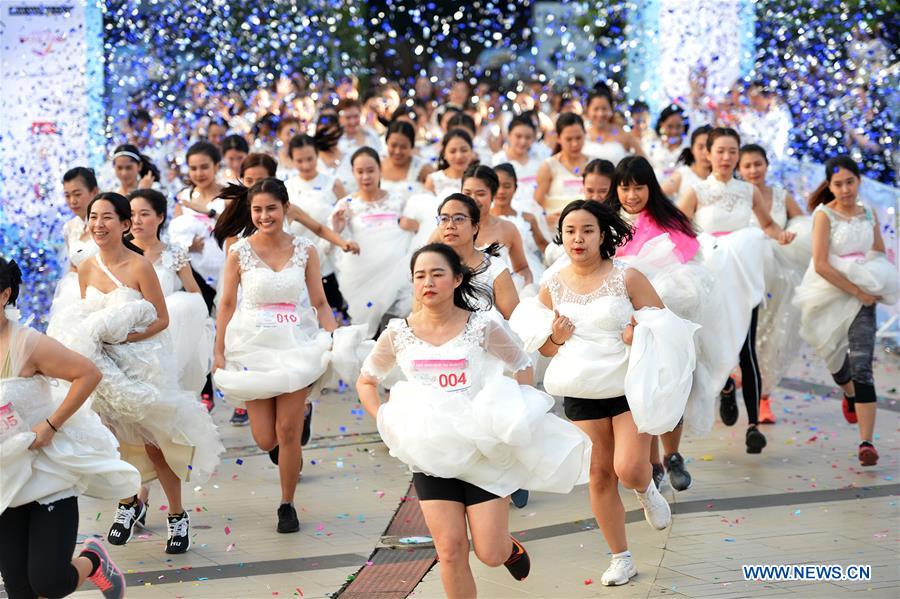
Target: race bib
{"points": [[448, 375], [274, 316], [11, 422], [379, 220]]}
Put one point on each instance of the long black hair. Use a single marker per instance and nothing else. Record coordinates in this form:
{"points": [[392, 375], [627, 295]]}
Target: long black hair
{"points": [[470, 295], [235, 220], [131, 151], [475, 216], [615, 230], [11, 278], [687, 155], [636, 170], [822, 194], [157, 202], [122, 208]]}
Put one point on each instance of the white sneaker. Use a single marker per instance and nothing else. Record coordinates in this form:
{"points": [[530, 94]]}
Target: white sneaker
{"points": [[656, 508], [620, 571]]}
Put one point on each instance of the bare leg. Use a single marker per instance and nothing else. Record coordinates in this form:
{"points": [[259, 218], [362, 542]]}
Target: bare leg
{"points": [[288, 428], [170, 482], [446, 521], [606, 505], [489, 523]]}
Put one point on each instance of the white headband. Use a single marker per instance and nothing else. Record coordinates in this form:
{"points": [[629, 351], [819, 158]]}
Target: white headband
{"points": [[131, 155]]}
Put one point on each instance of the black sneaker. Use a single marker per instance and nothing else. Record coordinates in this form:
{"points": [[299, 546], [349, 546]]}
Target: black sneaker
{"points": [[307, 427], [519, 498], [287, 518], [728, 410], [679, 477], [659, 475], [518, 564], [127, 515], [755, 440], [273, 455], [240, 417], [179, 540], [107, 577]]}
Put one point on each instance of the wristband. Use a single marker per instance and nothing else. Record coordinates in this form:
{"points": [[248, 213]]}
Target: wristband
{"points": [[55, 430], [554, 342]]}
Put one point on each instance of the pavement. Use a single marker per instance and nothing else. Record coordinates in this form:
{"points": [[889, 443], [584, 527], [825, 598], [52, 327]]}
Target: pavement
{"points": [[804, 500]]}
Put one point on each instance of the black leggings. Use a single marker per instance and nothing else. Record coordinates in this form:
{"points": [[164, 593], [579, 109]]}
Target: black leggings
{"points": [[751, 380], [858, 362], [36, 545]]}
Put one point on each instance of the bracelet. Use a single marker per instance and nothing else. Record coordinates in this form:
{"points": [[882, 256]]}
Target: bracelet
{"points": [[554, 342], [55, 430], [211, 213]]}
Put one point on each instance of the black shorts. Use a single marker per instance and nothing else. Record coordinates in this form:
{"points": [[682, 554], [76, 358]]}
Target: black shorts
{"points": [[429, 488], [595, 409]]}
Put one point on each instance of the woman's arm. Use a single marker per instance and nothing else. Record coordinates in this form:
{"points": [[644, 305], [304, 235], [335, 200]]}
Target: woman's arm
{"points": [[320, 230], [231, 277], [506, 298], [544, 178], [821, 241], [670, 186], [687, 203], [186, 275], [148, 285], [539, 240], [317, 293], [793, 209], [516, 251], [338, 189], [426, 170], [52, 359], [642, 295], [764, 218]]}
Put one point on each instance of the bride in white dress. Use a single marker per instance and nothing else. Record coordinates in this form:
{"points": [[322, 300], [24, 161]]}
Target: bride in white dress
{"points": [[121, 326], [51, 452], [271, 347], [190, 326]]}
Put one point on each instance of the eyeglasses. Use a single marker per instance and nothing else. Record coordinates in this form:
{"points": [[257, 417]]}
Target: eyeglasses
{"points": [[444, 219]]}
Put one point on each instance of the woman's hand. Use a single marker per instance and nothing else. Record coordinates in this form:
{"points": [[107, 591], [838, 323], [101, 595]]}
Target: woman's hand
{"points": [[350, 246], [218, 362], [867, 299], [43, 434], [408, 224], [562, 329], [146, 181], [196, 246], [628, 332], [786, 237]]}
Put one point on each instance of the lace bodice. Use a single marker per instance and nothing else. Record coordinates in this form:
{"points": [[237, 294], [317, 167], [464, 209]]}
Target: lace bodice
{"points": [[444, 185], [262, 285], [778, 211], [483, 349], [170, 261], [723, 207], [606, 310], [78, 249], [849, 235]]}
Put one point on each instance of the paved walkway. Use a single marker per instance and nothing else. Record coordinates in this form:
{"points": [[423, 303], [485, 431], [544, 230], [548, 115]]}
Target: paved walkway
{"points": [[805, 500]]}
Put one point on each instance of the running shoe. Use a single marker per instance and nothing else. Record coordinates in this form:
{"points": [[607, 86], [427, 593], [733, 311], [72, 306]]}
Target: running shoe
{"points": [[273, 455], [307, 426], [519, 498], [518, 564], [867, 454], [107, 577], [127, 515], [659, 475], [287, 518], [728, 410], [755, 440], [656, 508], [848, 406], [207, 402], [620, 571], [765, 411], [679, 477], [179, 528], [240, 417]]}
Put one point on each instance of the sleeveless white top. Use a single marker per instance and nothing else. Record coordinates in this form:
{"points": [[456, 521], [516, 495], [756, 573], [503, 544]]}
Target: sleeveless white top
{"points": [[565, 186], [778, 210], [723, 207]]}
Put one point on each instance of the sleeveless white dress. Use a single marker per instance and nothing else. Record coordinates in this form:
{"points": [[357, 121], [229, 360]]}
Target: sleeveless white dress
{"points": [[565, 186], [190, 327], [455, 415], [81, 459], [777, 335], [826, 311], [532, 254], [526, 183], [77, 251], [375, 282], [410, 184], [608, 150], [273, 344], [736, 254], [139, 398], [688, 179], [316, 198], [654, 373]]}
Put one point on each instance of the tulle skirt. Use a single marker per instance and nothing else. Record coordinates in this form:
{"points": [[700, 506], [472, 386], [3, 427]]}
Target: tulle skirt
{"points": [[193, 337], [826, 312], [82, 457], [501, 439], [261, 363]]}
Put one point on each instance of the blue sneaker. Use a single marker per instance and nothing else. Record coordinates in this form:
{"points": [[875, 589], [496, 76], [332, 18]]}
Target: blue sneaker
{"points": [[519, 498]]}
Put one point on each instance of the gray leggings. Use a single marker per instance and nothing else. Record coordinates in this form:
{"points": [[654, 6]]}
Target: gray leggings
{"points": [[857, 365]]}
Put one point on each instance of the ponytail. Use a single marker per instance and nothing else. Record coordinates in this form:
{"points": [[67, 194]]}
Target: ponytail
{"points": [[471, 295], [687, 155], [235, 220]]}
